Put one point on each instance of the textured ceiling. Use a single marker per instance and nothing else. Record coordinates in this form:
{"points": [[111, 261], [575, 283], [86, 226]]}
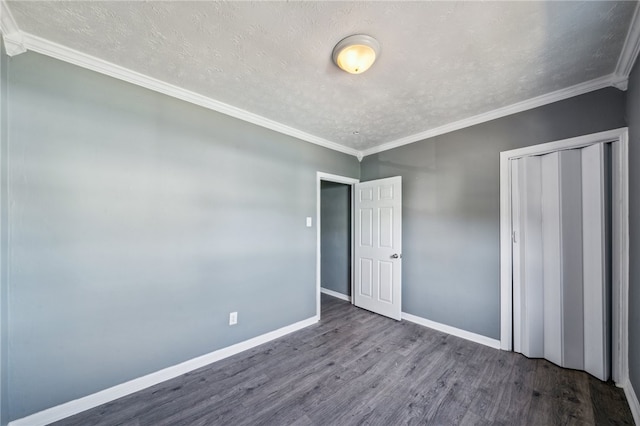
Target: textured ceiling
{"points": [[440, 62]]}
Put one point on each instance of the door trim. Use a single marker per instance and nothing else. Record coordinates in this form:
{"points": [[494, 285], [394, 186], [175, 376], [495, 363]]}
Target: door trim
{"points": [[328, 177], [620, 237]]}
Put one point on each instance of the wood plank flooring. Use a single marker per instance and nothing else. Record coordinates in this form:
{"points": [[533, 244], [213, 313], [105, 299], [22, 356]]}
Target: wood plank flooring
{"points": [[356, 367]]}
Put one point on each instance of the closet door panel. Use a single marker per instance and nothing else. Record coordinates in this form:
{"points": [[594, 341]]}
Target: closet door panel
{"points": [[596, 297], [531, 241], [552, 271], [571, 254], [562, 256]]}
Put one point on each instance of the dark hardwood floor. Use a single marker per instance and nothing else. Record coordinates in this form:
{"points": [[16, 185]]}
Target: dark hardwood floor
{"points": [[356, 367]]}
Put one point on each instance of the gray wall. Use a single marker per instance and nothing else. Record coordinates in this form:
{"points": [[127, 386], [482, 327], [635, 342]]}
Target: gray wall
{"points": [[4, 412], [451, 202], [138, 222], [335, 235], [633, 118]]}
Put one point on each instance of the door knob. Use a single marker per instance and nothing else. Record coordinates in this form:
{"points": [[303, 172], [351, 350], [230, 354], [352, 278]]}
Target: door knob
{"points": [[396, 256]]}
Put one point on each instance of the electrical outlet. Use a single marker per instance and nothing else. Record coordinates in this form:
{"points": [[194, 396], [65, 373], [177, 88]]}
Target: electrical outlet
{"points": [[233, 318]]}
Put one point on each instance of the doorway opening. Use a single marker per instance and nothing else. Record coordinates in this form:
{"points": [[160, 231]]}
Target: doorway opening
{"points": [[335, 239], [334, 252]]}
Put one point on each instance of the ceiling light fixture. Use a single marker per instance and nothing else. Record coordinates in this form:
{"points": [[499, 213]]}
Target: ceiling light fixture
{"points": [[355, 54]]}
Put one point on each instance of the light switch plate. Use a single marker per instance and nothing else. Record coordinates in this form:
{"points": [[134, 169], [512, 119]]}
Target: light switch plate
{"points": [[309, 222]]}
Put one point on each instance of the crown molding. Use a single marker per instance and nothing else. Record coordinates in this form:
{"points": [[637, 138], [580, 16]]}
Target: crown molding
{"points": [[620, 82], [63, 53], [13, 44], [630, 49], [11, 34], [17, 41], [558, 95]]}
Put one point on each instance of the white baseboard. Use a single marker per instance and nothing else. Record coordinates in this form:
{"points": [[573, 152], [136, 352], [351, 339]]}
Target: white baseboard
{"points": [[632, 399], [335, 294], [477, 338], [79, 405]]}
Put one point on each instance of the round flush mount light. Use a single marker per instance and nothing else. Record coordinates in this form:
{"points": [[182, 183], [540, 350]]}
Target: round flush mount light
{"points": [[355, 54]]}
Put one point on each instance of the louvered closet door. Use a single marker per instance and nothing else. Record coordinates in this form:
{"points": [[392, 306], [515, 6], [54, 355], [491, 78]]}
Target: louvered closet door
{"points": [[560, 258]]}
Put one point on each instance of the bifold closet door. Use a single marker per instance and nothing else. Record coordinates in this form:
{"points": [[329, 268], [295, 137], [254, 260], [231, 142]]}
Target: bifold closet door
{"points": [[560, 261]]}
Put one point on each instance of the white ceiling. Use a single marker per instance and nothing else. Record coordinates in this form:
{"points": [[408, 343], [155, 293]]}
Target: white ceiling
{"points": [[441, 62]]}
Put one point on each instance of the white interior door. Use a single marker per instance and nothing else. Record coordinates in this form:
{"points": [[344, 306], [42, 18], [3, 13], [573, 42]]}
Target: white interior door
{"points": [[378, 246]]}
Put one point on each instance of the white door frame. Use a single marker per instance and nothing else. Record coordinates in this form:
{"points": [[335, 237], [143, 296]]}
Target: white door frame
{"points": [[328, 177], [620, 241]]}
